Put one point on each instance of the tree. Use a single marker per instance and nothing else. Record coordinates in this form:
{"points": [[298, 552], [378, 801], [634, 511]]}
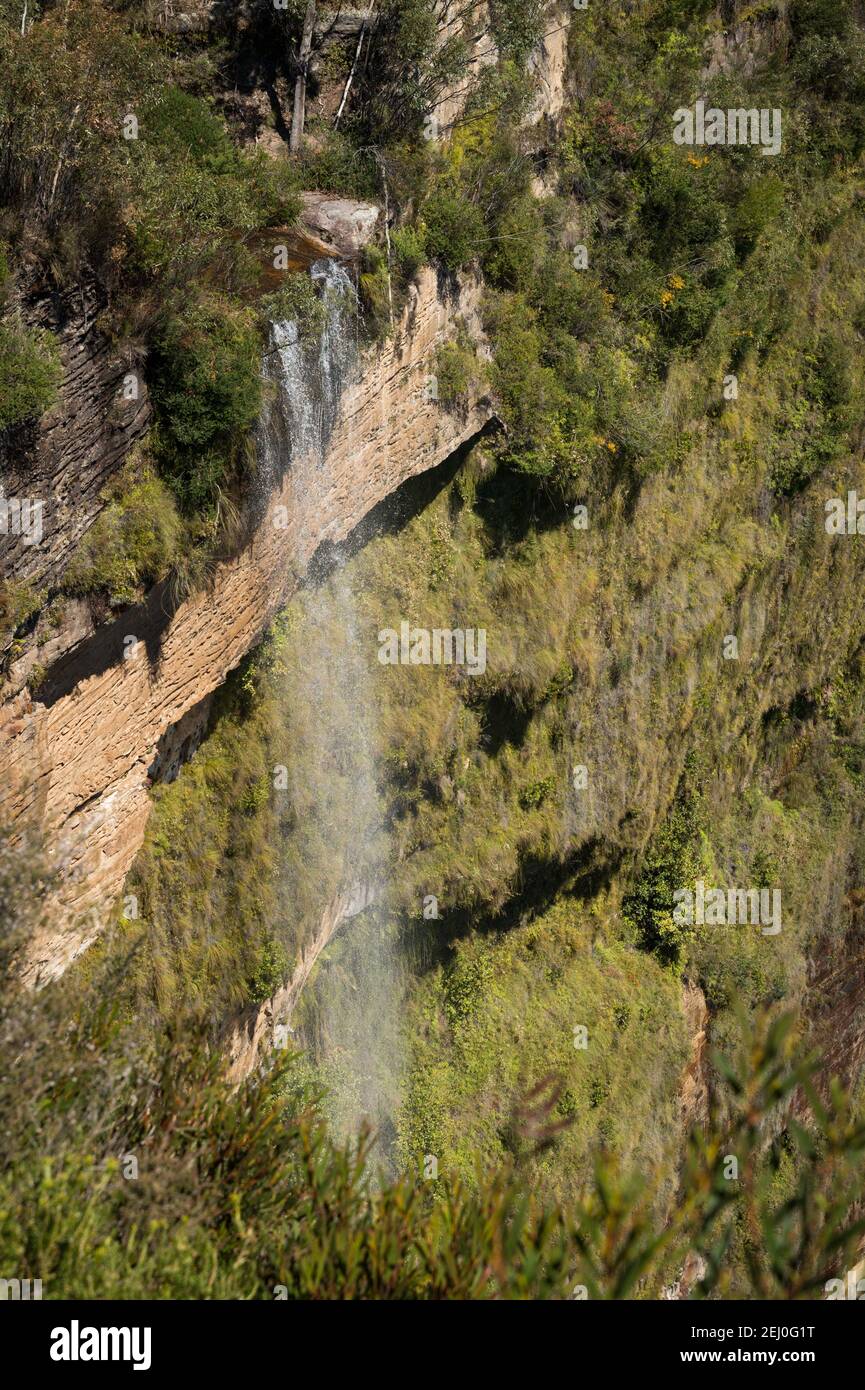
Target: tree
{"points": [[299, 112]]}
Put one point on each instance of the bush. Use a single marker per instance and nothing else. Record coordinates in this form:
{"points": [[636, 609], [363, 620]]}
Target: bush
{"points": [[517, 26], [818, 417], [18, 602], [516, 247], [295, 302], [760, 204], [29, 374], [376, 289], [131, 545], [336, 165], [672, 862], [408, 252], [206, 388], [454, 230], [271, 969], [185, 125], [548, 424], [456, 371]]}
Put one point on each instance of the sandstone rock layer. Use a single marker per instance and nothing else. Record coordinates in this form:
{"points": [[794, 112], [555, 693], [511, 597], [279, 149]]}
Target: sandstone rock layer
{"points": [[76, 760]]}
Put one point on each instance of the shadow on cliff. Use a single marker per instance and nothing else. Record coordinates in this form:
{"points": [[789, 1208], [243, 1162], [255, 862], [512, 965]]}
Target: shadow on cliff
{"points": [[147, 622], [395, 511]]}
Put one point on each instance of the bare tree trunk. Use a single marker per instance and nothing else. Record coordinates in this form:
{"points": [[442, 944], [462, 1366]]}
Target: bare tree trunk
{"points": [[299, 112], [354, 64]]}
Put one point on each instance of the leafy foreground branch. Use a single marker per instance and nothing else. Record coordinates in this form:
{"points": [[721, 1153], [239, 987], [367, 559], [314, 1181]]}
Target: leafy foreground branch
{"points": [[125, 1176]]}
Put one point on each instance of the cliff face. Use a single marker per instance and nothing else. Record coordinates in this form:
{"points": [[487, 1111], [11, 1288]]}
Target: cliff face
{"points": [[78, 757], [546, 64], [66, 460], [91, 713]]}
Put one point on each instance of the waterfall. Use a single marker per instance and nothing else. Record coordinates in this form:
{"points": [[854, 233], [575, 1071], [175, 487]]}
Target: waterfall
{"points": [[306, 375], [336, 858], [312, 375]]}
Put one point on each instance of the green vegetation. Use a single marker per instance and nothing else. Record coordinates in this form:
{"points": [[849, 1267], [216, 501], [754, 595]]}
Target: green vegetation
{"points": [[29, 374], [115, 164], [453, 228], [672, 862], [210, 937], [297, 302], [133, 543], [207, 391], [555, 1012], [557, 909], [18, 602], [457, 371], [128, 1170]]}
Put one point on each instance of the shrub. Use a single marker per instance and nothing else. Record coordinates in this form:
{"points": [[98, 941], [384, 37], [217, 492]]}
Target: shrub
{"points": [[454, 229], [517, 25], [337, 165], [548, 424], [672, 862], [536, 793], [185, 125], [376, 289], [29, 374], [131, 545], [760, 204], [193, 191], [18, 602], [271, 969], [408, 252], [295, 302], [516, 247], [206, 388], [456, 371], [818, 417]]}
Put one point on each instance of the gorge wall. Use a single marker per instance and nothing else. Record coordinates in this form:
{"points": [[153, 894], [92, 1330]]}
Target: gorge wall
{"points": [[77, 755]]}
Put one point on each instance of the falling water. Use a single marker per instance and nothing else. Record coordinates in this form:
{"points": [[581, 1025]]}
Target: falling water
{"points": [[338, 849], [312, 373]]}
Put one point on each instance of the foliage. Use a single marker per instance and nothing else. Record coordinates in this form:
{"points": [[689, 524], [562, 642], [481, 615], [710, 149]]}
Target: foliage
{"points": [[66, 87], [18, 602], [238, 1192], [29, 373], [822, 407], [206, 387], [296, 302], [407, 71], [407, 246], [193, 191], [133, 542], [795, 1243], [517, 26], [453, 229], [828, 62], [271, 969], [672, 862], [456, 371]]}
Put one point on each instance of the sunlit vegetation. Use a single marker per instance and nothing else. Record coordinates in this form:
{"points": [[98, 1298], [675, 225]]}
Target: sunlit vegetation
{"points": [[625, 281]]}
